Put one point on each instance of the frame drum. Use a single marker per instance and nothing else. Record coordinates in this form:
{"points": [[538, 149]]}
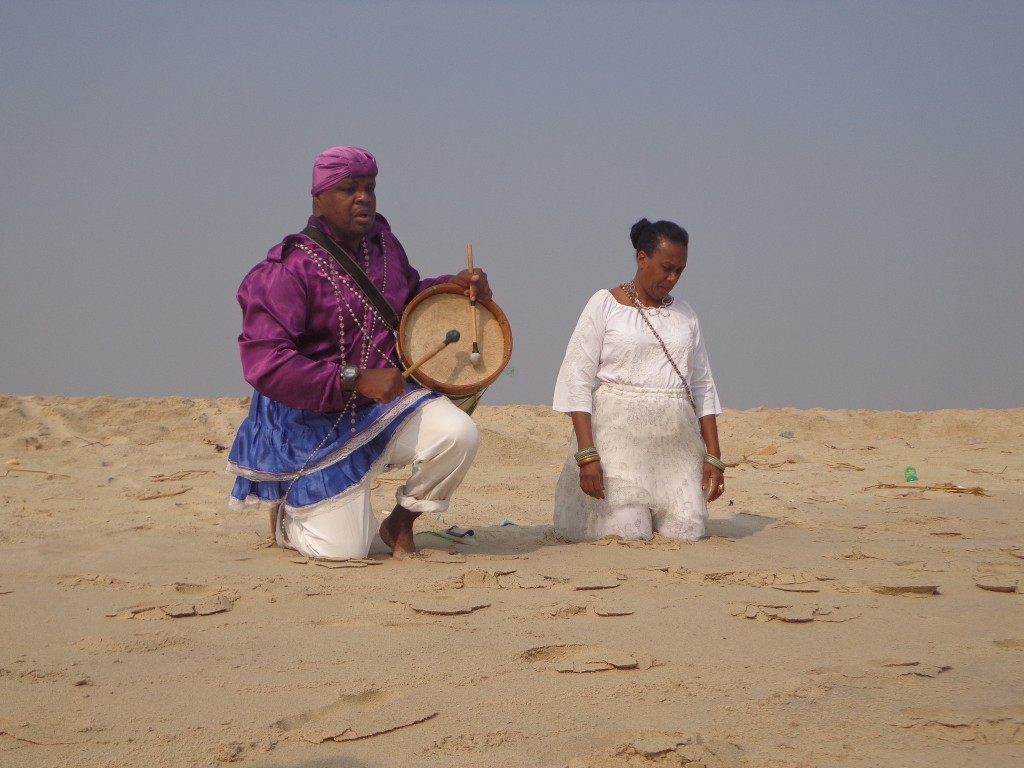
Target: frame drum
{"points": [[426, 320]]}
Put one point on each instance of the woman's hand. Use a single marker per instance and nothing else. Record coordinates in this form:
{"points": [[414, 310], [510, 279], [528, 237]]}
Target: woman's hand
{"points": [[475, 284], [592, 479], [713, 479], [380, 384]]}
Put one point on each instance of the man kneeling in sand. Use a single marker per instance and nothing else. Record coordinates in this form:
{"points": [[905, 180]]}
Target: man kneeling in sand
{"points": [[331, 409]]}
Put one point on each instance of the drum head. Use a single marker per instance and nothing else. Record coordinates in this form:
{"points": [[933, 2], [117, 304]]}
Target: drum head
{"points": [[434, 312]]}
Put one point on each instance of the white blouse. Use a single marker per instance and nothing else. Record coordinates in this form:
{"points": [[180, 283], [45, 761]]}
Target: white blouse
{"points": [[613, 344]]}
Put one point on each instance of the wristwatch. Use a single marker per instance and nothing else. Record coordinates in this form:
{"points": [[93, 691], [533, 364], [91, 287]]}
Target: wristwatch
{"points": [[349, 376]]}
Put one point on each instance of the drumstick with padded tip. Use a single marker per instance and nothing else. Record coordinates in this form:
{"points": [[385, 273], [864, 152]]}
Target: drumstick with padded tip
{"points": [[474, 356], [449, 337]]}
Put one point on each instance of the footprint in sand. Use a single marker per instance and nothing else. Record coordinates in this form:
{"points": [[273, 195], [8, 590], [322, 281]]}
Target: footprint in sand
{"points": [[70, 581], [480, 578], [472, 742], [582, 658], [1013, 643], [357, 716], [147, 643], [207, 601], [657, 749]]}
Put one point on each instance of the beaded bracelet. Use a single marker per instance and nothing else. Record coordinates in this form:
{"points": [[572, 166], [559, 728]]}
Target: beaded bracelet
{"points": [[588, 460], [714, 461], [586, 453]]}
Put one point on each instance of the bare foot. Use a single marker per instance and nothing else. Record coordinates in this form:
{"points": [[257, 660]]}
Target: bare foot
{"points": [[396, 531], [405, 545]]}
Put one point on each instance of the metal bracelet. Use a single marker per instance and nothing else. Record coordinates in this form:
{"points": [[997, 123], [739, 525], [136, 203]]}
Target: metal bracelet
{"points": [[714, 461]]}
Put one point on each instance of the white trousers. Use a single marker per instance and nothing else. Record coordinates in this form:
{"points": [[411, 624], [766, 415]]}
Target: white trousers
{"points": [[438, 440]]}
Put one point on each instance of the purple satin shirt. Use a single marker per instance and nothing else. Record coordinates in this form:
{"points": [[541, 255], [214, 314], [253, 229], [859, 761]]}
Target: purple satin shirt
{"points": [[289, 341]]}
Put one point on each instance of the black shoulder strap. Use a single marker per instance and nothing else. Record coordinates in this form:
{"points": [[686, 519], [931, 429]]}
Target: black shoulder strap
{"points": [[370, 291]]}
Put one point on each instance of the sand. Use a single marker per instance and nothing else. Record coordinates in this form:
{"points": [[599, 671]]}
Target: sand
{"points": [[835, 616]]}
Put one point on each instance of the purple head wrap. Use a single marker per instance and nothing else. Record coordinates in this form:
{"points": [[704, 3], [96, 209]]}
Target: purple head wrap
{"points": [[337, 163]]}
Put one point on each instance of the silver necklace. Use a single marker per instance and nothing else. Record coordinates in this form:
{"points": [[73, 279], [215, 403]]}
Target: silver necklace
{"points": [[662, 309]]}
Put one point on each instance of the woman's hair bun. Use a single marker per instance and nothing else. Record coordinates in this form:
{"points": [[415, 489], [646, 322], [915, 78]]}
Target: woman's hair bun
{"points": [[636, 231], [646, 236]]}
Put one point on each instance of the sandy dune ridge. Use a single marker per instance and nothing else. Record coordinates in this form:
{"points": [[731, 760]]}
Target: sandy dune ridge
{"points": [[835, 616]]}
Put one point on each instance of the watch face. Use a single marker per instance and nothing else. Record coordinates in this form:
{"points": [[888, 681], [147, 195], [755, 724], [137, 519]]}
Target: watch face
{"points": [[349, 374]]}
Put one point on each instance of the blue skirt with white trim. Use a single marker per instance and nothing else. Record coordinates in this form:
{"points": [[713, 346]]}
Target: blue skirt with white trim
{"points": [[304, 457]]}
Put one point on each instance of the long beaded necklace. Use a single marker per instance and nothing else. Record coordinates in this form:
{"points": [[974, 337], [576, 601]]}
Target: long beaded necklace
{"points": [[368, 325], [630, 290], [372, 320], [333, 276]]}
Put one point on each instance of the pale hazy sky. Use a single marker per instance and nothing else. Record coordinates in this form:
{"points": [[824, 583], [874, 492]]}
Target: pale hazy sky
{"points": [[851, 175]]}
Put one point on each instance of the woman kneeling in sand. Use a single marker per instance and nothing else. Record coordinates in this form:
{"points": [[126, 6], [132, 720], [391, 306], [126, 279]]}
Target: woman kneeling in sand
{"points": [[635, 379]]}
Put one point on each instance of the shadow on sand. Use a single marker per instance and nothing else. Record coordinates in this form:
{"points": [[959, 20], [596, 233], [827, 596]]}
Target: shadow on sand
{"points": [[738, 526]]}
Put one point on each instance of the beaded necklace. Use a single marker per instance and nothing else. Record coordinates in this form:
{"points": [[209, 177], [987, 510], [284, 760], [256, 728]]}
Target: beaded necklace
{"points": [[336, 278], [368, 325], [372, 320]]}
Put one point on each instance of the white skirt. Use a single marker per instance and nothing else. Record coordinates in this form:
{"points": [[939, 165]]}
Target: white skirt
{"points": [[652, 456]]}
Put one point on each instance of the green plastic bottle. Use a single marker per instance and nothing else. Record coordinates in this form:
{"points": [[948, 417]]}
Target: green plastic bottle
{"points": [[910, 474]]}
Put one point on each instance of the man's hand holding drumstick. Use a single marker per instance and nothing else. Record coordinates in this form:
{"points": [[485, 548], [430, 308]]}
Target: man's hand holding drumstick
{"points": [[475, 284], [383, 385], [387, 384]]}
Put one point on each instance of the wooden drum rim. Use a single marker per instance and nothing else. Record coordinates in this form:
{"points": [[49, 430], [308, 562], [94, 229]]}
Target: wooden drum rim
{"points": [[446, 388]]}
